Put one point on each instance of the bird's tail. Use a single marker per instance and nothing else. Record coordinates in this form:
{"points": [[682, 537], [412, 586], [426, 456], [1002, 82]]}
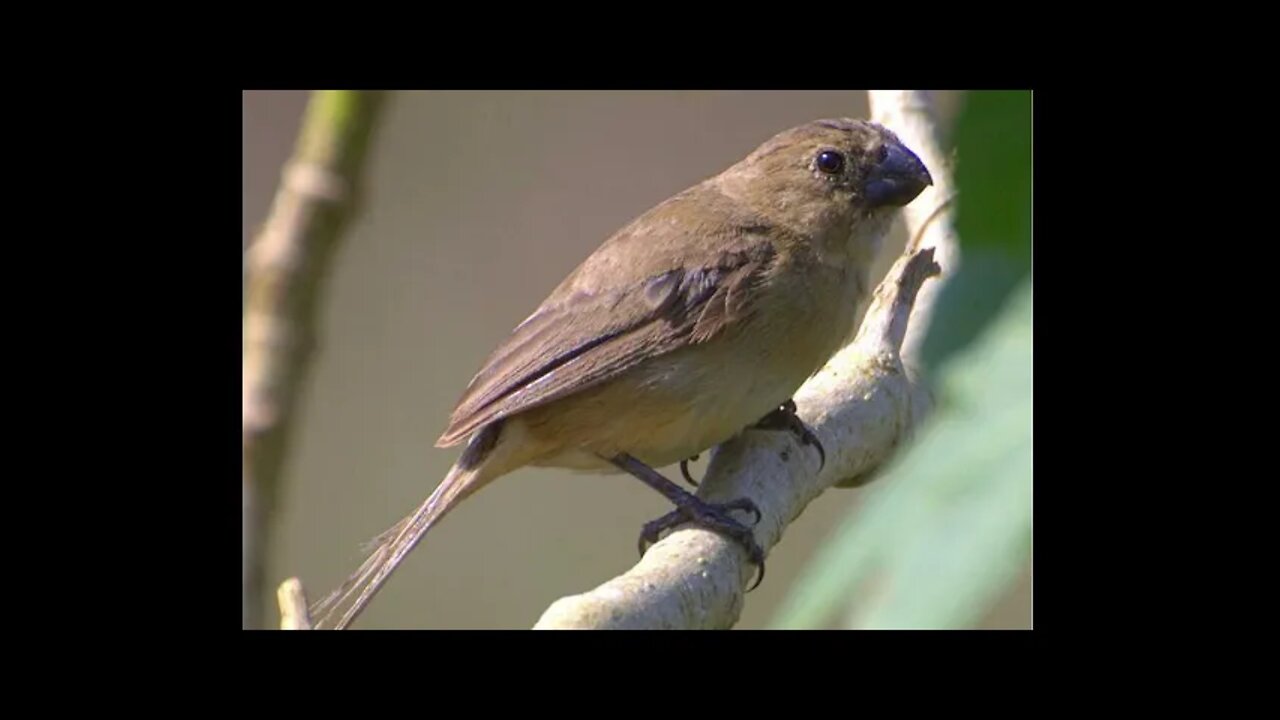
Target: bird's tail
{"points": [[389, 549]]}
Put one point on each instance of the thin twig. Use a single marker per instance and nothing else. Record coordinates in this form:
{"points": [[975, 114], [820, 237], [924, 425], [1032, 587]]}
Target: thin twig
{"points": [[293, 606], [909, 113], [286, 266]]}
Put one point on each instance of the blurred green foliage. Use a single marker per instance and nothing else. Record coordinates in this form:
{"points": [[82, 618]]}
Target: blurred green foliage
{"points": [[947, 528], [993, 219]]}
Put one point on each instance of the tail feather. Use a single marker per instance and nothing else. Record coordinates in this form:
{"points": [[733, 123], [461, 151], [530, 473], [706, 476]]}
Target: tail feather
{"points": [[389, 549]]}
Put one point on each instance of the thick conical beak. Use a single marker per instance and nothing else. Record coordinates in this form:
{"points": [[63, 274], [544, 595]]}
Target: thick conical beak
{"points": [[897, 179]]}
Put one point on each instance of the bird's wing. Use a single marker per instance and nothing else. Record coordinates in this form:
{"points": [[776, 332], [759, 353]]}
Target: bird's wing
{"points": [[607, 317]]}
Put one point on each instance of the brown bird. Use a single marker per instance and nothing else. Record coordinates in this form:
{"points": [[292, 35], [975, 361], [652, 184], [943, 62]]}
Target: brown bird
{"points": [[698, 319]]}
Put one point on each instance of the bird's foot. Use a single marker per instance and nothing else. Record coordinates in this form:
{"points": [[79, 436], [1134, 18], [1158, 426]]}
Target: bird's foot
{"points": [[714, 517], [785, 418]]}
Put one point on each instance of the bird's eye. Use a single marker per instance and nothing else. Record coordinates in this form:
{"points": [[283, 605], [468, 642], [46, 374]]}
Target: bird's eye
{"points": [[830, 162]]}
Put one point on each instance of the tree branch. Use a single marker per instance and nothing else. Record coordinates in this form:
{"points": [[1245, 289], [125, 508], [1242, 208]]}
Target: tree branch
{"points": [[293, 606], [286, 266], [930, 219], [862, 405]]}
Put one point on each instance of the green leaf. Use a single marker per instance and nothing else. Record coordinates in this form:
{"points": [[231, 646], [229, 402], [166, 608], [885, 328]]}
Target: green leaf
{"points": [[993, 218], [963, 496], [993, 134]]}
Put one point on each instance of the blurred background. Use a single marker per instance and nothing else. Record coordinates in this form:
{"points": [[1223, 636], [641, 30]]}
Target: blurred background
{"points": [[477, 205]]}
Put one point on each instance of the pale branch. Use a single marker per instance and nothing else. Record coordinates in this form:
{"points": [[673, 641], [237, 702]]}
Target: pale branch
{"points": [[293, 606], [930, 219], [285, 270], [862, 405]]}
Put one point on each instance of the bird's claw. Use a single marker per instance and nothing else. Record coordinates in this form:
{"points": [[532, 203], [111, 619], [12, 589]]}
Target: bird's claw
{"points": [[785, 418], [714, 517], [684, 470]]}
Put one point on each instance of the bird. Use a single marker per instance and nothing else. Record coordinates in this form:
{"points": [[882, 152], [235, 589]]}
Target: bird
{"points": [[694, 321]]}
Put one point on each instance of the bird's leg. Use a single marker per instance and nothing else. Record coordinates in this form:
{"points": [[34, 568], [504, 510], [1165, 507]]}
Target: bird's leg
{"points": [[684, 470], [785, 418], [690, 508]]}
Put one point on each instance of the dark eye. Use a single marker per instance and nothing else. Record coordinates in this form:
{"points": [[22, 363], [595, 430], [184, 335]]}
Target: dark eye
{"points": [[830, 162]]}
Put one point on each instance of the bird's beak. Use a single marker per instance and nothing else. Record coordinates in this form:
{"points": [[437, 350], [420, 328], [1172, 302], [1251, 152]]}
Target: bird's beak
{"points": [[897, 179]]}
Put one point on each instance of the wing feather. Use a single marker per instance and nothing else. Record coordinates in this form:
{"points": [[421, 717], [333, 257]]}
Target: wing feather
{"points": [[590, 337]]}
